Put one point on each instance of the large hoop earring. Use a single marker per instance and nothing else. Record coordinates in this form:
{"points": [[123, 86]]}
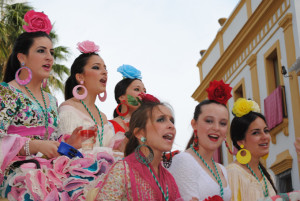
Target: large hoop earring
{"points": [[167, 159], [27, 80], [78, 96], [138, 155], [102, 99], [196, 141], [124, 113], [243, 159], [44, 83]]}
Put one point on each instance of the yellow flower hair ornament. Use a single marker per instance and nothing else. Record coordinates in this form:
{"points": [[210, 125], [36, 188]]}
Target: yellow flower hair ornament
{"points": [[243, 106]]}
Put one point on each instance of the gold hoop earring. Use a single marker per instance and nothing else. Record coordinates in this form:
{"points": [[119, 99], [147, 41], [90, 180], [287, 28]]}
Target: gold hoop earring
{"points": [[243, 159]]}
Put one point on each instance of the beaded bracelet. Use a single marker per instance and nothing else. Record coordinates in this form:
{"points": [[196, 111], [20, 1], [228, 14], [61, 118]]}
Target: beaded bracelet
{"points": [[26, 148]]}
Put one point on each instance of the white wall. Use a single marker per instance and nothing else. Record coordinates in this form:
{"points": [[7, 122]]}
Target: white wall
{"points": [[235, 26], [211, 60]]}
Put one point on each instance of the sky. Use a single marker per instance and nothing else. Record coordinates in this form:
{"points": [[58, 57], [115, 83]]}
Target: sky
{"points": [[161, 38]]}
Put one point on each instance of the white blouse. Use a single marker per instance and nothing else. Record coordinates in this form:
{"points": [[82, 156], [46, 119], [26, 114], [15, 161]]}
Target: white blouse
{"points": [[193, 181]]}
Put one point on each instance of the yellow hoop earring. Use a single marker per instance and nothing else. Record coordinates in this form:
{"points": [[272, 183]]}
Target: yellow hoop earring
{"points": [[243, 159], [265, 157]]}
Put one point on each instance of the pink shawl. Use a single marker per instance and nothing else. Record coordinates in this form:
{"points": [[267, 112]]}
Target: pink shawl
{"points": [[143, 185]]}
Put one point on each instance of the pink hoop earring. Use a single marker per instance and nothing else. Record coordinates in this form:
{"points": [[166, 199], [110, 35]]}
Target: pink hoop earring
{"points": [[102, 99], [44, 83], [27, 80], [78, 96]]}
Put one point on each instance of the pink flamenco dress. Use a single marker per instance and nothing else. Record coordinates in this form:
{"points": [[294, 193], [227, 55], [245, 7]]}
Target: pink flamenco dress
{"points": [[34, 177], [129, 179]]}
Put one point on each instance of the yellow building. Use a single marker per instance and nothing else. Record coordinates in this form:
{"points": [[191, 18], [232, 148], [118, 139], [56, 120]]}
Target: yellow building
{"points": [[257, 41]]}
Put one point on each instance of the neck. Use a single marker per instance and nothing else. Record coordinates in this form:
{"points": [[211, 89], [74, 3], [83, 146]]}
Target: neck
{"points": [[206, 154], [90, 101], [156, 160], [34, 86], [254, 163]]}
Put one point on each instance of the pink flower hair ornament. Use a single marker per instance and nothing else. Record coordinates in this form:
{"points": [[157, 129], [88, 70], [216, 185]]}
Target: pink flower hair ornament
{"points": [[37, 21], [87, 47]]}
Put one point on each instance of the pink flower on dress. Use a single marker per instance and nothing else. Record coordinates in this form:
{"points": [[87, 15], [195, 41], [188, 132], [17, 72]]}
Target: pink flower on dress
{"points": [[37, 21], [87, 47]]}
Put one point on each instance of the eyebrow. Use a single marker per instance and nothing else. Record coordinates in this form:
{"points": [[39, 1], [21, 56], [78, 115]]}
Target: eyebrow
{"points": [[44, 47]]}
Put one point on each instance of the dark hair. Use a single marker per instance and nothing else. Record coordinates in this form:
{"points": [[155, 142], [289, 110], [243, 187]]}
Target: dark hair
{"points": [[139, 120], [238, 129], [21, 45], [120, 89], [77, 67], [197, 113]]}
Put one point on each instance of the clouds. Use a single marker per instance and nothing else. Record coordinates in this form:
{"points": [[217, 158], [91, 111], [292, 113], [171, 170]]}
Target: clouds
{"points": [[162, 38]]}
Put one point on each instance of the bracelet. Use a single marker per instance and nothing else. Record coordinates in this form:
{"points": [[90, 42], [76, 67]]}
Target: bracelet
{"points": [[26, 148]]}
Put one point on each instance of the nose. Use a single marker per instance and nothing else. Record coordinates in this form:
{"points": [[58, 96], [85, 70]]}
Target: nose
{"points": [[266, 135], [50, 56], [216, 126]]}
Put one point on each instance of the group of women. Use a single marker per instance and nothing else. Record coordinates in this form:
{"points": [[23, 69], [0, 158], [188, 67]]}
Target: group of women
{"points": [[39, 155]]}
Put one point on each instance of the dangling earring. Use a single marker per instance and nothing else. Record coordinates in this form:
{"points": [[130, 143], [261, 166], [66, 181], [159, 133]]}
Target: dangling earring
{"points": [[102, 99], [167, 159], [243, 159], [28, 79], [44, 83], [229, 150], [78, 96], [196, 142], [117, 109], [139, 157]]}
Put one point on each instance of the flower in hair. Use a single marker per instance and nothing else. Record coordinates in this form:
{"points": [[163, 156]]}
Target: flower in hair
{"points": [[143, 98], [37, 21], [243, 106], [219, 91], [87, 47], [129, 71]]}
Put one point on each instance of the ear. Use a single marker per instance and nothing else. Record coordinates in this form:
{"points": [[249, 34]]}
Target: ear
{"points": [[240, 142], [79, 77], [123, 97], [194, 124], [21, 57], [139, 133]]}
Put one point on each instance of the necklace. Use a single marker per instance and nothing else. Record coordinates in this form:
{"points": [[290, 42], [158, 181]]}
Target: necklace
{"points": [[43, 110], [125, 122], [159, 186], [266, 191], [100, 136], [217, 178]]}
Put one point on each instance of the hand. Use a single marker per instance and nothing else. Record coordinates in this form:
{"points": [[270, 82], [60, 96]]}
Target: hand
{"points": [[297, 146], [46, 147], [75, 139]]}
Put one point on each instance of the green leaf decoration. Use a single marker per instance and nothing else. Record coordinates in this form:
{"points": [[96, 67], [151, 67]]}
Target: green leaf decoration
{"points": [[132, 100], [139, 100]]}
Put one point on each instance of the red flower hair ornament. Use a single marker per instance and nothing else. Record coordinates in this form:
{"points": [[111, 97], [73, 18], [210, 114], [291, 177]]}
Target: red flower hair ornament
{"points": [[143, 98], [37, 21], [219, 91]]}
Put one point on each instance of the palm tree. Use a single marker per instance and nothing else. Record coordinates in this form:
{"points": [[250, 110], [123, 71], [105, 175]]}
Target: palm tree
{"points": [[11, 22]]}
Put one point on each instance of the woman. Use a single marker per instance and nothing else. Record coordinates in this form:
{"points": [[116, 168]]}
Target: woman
{"points": [[138, 177], [249, 133], [28, 115], [87, 81], [197, 175], [130, 86]]}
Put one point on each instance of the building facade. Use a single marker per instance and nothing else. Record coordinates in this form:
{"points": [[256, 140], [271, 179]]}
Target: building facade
{"points": [[256, 51]]}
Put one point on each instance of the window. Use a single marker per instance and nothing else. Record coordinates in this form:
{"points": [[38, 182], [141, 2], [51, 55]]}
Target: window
{"points": [[239, 90], [284, 182]]}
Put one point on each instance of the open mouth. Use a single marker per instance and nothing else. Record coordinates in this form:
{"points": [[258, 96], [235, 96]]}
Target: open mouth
{"points": [[103, 81], [46, 66], [168, 136], [264, 145], [213, 137]]}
